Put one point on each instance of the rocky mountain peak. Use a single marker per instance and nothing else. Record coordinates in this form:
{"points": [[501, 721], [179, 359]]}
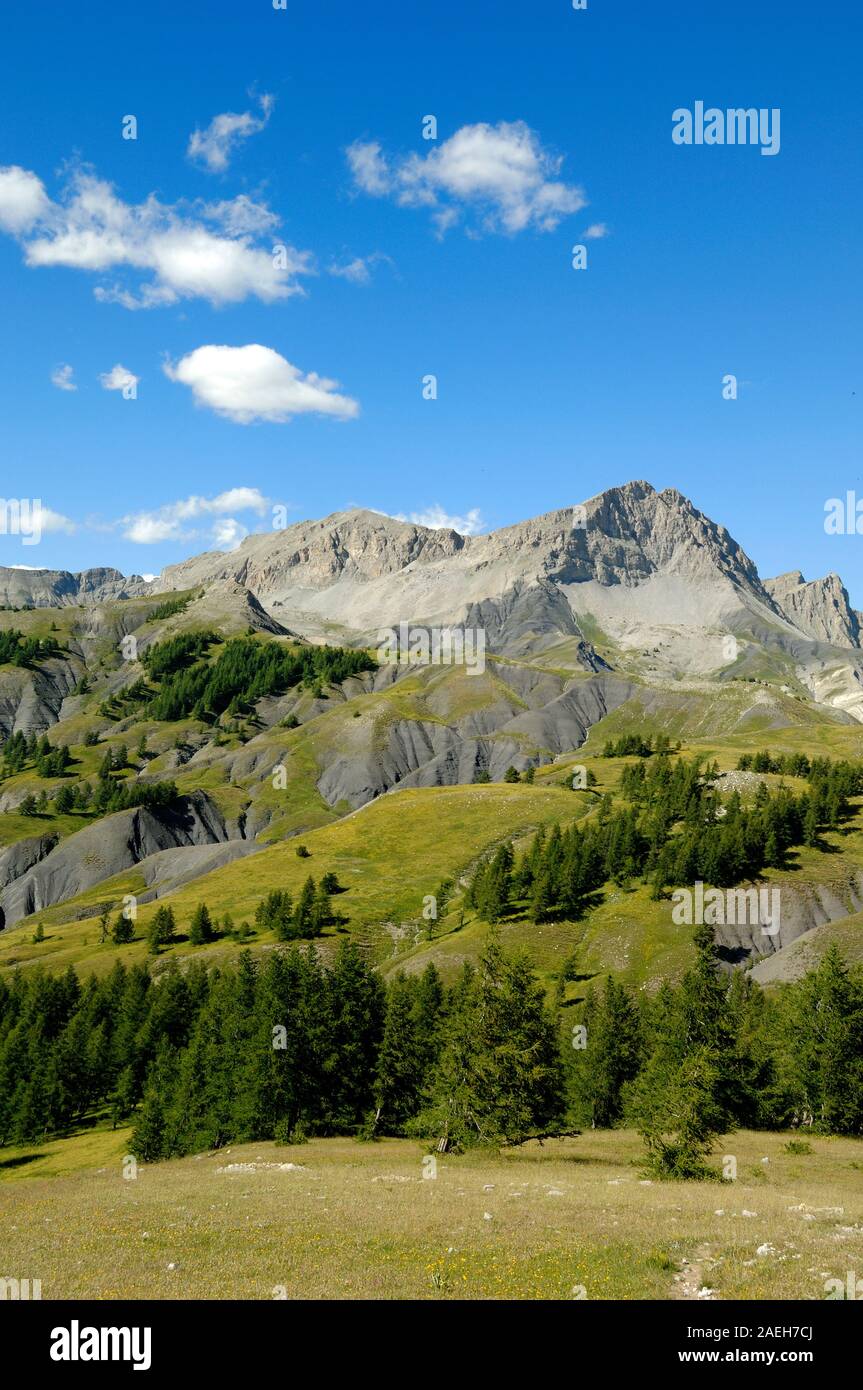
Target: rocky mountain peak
{"points": [[821, 608]]}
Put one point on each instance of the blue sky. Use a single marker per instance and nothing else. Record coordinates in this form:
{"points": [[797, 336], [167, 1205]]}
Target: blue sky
{"points": [[456, 261]]}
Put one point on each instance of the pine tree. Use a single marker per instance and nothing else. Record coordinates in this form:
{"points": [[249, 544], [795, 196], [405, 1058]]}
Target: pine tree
{"points": [[399, 1073], [321, 912], [150, 1138], [162, 929], [303, 914], [612, 1056], [123, 930], [201, 928], [678, 1115], [355, 1004], [500, 1076], [685, 1096]]}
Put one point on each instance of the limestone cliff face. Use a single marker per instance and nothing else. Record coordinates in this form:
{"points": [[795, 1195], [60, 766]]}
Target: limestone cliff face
{"points": [[631, 575], [622, 536], [821, 608], [60, 589]]}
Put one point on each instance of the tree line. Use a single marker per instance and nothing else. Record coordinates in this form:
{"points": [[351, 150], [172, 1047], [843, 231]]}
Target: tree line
{"points": [[677, 829], [244, 671], [288, 1047], [18, 650]]}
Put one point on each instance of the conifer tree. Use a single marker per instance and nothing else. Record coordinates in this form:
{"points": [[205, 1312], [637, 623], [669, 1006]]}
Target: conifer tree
{"points": [[500, 1075], [303, 914], [201, 926], [123, 930], [399, 1072]]}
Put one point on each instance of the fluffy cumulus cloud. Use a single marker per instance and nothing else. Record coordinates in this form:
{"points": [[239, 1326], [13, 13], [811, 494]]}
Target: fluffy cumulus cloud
{"points": [[211, 251], [500, 172], [251, 383], [436, 519], [214, 146], [118, 379], [61, 377], [595, 232], [23, 199], [56, 521], [181, 520]]}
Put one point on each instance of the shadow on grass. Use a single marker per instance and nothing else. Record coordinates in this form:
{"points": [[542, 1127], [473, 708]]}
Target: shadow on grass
{"points": [[20, 1161]]}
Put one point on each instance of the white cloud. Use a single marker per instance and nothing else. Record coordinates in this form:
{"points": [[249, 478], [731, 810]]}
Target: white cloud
{"points": [[595, 231], [213, 147], [118, 379], [240, 216], [61, 377], [171, 521], [369, 167], [436, 519], [228, 534], [359, 270], [202, 250], [500, 170], [49, 520], [256, 383], [23, 199]]}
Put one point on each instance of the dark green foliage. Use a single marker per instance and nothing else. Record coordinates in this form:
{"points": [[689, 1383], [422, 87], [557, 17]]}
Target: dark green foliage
{"points": [[491, 887], [401, 1065], [244, 671], [611, 1057], [176, 653], [201, 927], [276, 912], [123, 931], [162, 929], [170, 608], [671, 833], [203, 1058], [18, 650], [633, 745], [500, 1075], [113, 796]]}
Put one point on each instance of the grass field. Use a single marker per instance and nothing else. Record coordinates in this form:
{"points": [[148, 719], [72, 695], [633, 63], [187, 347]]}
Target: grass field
{"points": [[569, 1220], [387, 857]]}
